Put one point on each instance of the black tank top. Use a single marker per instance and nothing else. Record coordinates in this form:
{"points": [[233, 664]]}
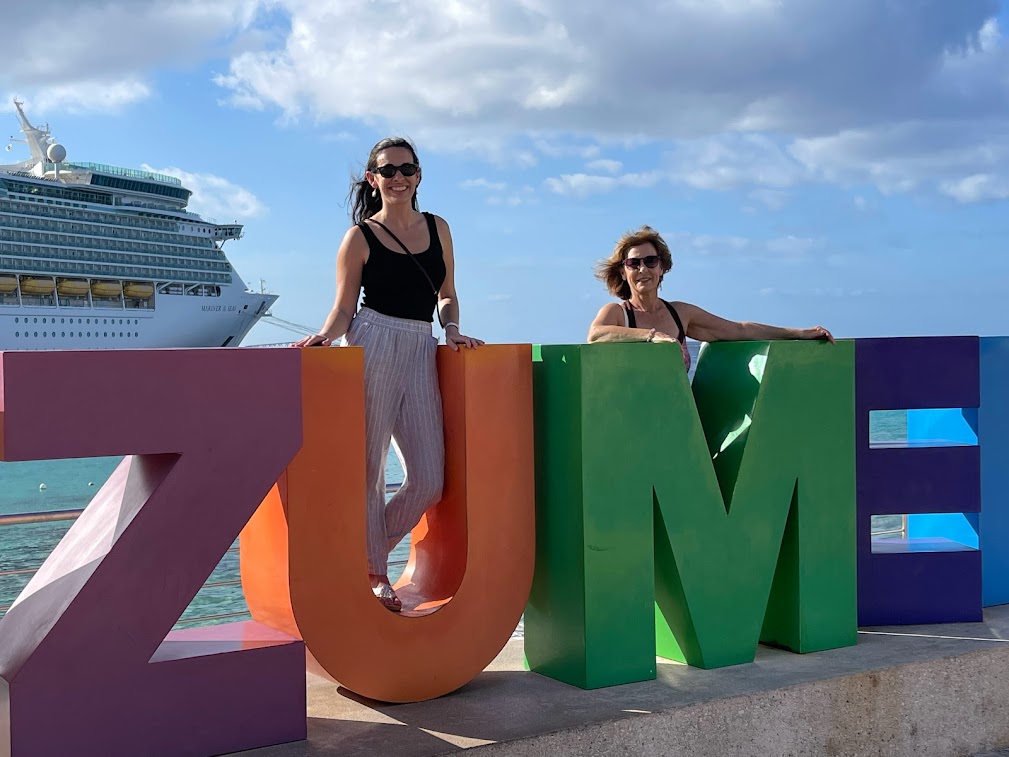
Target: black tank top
{"points": [[632, 321], [394, 285]]}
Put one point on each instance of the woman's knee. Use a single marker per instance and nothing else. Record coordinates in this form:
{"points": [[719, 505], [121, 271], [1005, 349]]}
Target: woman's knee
{"points": [[429, 491]]}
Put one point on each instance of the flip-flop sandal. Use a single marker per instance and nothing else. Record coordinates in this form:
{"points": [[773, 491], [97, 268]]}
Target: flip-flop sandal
{"points": [[385, 594]]}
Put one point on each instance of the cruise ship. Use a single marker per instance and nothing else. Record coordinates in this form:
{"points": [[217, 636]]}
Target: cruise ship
{"points": [[98, 257]]}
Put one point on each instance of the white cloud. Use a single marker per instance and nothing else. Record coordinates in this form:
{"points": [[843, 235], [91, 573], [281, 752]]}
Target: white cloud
{"points": [[779, 248], [977, 188], [967, 161], [216, 198], [100, 55], [805, 80], [481, 183], [905, 96], [582, 185], [735, 160], [506, 65], [499, 193], [88, 96], [605, 165]]}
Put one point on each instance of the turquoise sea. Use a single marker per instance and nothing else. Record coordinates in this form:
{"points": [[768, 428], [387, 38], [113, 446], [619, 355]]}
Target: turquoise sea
{"points": [[70, 484]]}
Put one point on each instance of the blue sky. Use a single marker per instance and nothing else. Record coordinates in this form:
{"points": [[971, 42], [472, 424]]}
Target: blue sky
{"points": [[808, 161]]}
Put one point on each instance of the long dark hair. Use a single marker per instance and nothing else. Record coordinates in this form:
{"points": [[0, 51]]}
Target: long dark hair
{"points": [[362, 204]]}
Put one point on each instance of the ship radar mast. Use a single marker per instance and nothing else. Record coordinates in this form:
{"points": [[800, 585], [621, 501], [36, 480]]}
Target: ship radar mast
{"points": [[38, 139]]}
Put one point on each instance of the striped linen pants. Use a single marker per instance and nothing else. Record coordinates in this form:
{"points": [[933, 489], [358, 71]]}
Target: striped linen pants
{"points": [[403, 405]]}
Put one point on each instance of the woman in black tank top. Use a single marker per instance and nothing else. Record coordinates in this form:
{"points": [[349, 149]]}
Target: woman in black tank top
{"points": [[403, 260], [634, 273]]}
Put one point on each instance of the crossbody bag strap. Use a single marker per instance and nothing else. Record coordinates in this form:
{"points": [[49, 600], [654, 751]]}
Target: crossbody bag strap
{"points": [[417, 262]]}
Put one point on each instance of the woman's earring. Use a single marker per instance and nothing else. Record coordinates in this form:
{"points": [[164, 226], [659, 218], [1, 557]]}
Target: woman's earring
{"points": [[374, 193]]}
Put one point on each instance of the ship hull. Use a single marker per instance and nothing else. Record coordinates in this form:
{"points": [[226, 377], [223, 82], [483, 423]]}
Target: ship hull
{"points": [[174, 321]]}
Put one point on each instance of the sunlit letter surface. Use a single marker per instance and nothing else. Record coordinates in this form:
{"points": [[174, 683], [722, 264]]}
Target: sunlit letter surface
{"points": [[86, 665], [694, 530]]}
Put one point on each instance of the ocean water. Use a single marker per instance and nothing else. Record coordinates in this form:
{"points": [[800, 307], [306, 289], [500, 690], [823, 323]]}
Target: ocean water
{"points": [[70, 484]]}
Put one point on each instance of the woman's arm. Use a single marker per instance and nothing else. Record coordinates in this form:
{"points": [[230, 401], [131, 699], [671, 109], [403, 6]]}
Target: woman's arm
{"points": [[608, 326], [350, 259], [707, 327], [448, 300]]}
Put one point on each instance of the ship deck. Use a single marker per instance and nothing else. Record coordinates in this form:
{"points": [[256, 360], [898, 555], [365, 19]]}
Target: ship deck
{"points": [[911, 690]]}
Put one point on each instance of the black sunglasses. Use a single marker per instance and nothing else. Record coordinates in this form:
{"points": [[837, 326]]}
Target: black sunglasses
{"points": [[389, 170], [650, 261]]}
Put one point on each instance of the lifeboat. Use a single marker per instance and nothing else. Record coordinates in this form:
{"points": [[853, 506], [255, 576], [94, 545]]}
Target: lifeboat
{"points": [[8, 283], [32, 285], [72, 288], [138, 290], [106, 288]]}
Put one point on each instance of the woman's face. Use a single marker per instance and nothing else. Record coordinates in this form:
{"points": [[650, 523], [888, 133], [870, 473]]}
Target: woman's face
{"points": [[397, 189], [637, 274]]}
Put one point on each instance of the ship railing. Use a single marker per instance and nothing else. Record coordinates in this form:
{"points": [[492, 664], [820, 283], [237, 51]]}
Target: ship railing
{"points": [[901, 532], [126, 173], [53, 516]]}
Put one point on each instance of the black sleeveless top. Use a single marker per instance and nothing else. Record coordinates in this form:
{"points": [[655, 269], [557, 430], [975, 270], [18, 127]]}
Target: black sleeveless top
{"points": [[394, 285], [632, 321]]}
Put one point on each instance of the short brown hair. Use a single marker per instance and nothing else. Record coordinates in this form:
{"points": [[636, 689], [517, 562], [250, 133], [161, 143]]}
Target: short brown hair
{"points": [[608, 271]]}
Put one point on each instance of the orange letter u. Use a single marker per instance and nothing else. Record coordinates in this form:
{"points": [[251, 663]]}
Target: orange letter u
{"points": [[303, 563]]}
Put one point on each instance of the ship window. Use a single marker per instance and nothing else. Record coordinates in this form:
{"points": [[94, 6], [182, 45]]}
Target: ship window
{"points": [[16, 320], [136, 333], [36, 320], [106, 333], [17, 333], [36, 333], [63, 333], [89, 333]]}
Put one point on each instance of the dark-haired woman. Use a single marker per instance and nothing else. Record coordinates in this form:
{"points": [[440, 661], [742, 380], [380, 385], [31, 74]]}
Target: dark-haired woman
{"points": [[403, 260], [634, 272]]}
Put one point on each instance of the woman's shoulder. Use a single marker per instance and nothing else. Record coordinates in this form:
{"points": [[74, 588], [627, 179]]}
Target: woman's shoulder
{"points": [[440, 222], [355, 242], [612, 310]]}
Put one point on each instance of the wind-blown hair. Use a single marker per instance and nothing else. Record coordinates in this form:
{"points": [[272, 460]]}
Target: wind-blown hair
{"points": [[362, 204], [608, 271]]}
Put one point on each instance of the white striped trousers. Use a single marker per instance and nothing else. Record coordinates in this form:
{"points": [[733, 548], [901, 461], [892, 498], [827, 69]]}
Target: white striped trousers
{"points": [[403, 405]]}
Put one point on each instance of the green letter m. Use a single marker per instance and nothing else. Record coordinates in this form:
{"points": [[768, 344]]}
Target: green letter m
{"points": [[690, 525]]}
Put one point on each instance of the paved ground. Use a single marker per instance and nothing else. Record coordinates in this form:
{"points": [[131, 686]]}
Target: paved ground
{"points": [[928, 690]]}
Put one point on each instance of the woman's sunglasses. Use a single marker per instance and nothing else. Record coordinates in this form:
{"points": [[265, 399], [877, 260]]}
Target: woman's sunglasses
{"points": [[634, 264], [389, 170]]}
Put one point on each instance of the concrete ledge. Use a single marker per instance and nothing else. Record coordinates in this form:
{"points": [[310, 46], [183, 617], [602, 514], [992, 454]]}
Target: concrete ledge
{"points": [[921, 691]]}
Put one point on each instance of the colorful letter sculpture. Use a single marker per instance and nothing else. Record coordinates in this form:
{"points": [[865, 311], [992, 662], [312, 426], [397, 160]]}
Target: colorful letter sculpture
{"points": [[86, 664], [303, 555], [691, 531], [988, 426], [916, 580]]}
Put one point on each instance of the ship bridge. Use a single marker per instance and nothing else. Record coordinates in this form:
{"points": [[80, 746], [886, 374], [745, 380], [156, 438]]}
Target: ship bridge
{"points": [[225, 231]]}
